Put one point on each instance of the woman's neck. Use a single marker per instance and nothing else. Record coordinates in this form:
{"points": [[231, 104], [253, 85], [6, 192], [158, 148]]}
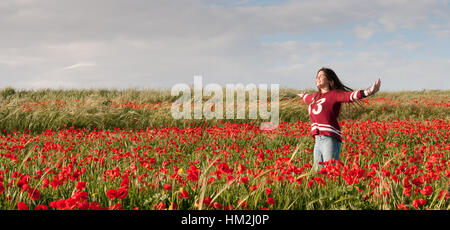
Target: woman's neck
{"points": [[325, 90]]}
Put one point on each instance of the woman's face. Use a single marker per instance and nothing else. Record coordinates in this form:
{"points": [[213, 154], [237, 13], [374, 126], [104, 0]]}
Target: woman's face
{"points": [[321, 80]]}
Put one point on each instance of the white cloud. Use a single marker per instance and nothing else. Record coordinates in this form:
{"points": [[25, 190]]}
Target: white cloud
{"points": [[406, 46], [442, 33], [366, 32], [78, 65]]}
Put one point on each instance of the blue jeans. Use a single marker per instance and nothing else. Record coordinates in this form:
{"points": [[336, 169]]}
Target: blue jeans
{"points": [[325, 149]]}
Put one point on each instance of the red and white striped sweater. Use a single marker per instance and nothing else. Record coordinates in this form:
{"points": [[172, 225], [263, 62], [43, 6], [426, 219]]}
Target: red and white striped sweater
{"points": [[324, 111]]}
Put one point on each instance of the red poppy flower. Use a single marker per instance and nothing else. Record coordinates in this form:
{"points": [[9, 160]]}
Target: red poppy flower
{"points": [[34, 194], [111, 193], [167, 187], [444, 194], [22, 206], [217, 205], [122, 193], [125, 181], [41, 207], [244, 180], [427, 190], [160, 206], [83, 205], [95, 206], [45, 182], [270, 201], [117, 206], [243, 203], [184, 194], [207, 200], [402, 207], [241, 168], [417, 202], [80, 185], [407, 192], [24, 187]]}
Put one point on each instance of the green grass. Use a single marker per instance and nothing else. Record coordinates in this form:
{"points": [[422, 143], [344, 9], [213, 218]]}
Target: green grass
{"points": [[37, 110]]}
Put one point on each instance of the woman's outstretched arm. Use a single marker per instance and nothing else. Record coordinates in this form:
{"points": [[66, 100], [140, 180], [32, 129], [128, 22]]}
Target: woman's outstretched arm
{"points": [[359, 94], [307, 98]]}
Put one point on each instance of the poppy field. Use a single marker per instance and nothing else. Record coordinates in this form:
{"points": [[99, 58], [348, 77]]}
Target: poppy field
{"points": [[92, 150]]}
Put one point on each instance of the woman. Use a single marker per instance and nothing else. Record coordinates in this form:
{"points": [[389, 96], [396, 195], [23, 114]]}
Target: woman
{"points": [[323, 109]]}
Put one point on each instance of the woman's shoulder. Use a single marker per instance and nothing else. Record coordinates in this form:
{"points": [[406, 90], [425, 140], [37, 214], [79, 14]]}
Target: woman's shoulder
{"points": [[339, 91]]}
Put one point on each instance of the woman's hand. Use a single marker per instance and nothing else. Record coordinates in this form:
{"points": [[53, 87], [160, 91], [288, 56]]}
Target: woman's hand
{"points": [[375, 86], [301, 94]]}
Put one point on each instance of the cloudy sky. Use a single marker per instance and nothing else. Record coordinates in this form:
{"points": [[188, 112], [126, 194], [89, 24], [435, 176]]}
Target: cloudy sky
{"points": [[159, 43]]}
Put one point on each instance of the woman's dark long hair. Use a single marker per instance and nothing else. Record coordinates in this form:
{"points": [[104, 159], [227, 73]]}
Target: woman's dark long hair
{"points": [[335, 82]]}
